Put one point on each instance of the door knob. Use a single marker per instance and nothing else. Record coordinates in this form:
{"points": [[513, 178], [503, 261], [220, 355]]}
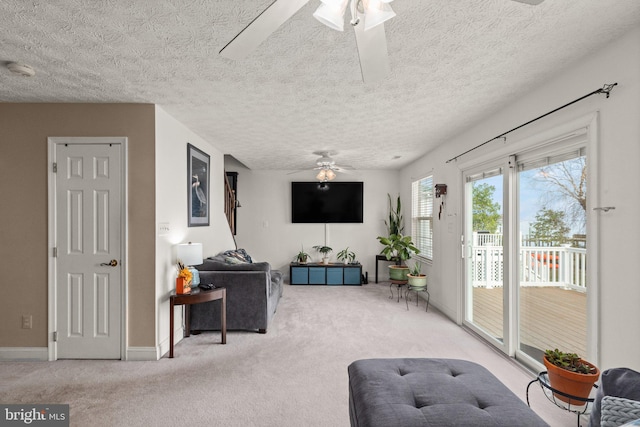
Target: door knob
{"points": [[111, 263]]}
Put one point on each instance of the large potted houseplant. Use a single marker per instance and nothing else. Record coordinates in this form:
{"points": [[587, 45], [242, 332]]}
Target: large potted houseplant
{"points": [[570, 374], [395, 223], [325, 251], [398, 248]]}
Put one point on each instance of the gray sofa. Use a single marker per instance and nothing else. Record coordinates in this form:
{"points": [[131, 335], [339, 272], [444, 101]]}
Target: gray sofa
{"points": [[432, 392], [253, 293]]}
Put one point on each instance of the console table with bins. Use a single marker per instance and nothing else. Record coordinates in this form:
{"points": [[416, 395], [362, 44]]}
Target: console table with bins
{"points": [[325, 274]]}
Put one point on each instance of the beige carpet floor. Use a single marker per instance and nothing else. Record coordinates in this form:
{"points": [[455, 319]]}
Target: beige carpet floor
{"points": [[295, 375]]}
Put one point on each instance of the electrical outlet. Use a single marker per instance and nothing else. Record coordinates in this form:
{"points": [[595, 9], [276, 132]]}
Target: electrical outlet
{"points": [[27, 321]]}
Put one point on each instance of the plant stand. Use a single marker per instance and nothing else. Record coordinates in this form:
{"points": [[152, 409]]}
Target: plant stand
{"points": [[399, 284], [416, 290], [550, 392]]}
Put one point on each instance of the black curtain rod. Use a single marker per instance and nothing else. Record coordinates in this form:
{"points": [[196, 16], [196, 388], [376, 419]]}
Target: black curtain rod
{"points": [[606, 89]]}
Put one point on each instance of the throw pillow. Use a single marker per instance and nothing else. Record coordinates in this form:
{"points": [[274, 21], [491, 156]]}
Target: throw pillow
{"points": [[240, 254], [617, 411], [618, 382]]}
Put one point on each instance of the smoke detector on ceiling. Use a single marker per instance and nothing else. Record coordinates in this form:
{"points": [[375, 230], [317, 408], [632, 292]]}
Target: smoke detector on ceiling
{"points": [[21, 69]]}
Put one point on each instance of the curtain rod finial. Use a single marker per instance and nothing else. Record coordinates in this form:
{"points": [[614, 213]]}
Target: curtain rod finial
{"points": [[607, 88]]}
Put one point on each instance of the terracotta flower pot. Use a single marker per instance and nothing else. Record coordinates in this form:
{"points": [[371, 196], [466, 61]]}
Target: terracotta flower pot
{"points": [[572, 383]]}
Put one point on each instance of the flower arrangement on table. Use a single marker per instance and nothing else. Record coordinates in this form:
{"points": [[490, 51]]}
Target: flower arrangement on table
{"points": [[183, 282]]}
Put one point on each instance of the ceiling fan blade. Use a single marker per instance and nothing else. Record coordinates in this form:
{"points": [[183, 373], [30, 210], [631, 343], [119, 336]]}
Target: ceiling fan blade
{"points": [[372, 50], [531, 2], [298, 171], [261, 27], [343, 169]]}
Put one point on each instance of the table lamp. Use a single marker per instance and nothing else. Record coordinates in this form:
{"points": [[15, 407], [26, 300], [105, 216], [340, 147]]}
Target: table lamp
{"points": [[190, 254]]}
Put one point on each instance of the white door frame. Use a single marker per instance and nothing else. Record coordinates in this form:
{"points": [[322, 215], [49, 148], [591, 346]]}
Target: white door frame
{"points": [[52, 238]]}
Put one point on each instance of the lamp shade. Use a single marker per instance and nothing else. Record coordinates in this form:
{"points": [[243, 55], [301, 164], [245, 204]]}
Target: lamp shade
{"points": [[189, 253], [331, 14], [377, 12]]}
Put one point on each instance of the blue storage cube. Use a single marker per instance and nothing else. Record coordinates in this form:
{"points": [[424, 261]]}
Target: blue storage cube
{"points": [[299, 275], [317, 275], [334, 276], [352, 276]]}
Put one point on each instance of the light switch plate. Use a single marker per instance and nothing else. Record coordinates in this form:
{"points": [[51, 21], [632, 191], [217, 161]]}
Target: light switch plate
{"points": [[164, 228]]}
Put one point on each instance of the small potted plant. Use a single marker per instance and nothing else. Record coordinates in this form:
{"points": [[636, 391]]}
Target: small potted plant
{"points": [[398, 248], [183, 281], [302, 257], [415, 278], [570, 374], [346, 256], [325, 251]]}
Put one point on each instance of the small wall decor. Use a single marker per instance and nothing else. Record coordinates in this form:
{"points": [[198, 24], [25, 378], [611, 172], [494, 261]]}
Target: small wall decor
{"points": [[198, 186]]}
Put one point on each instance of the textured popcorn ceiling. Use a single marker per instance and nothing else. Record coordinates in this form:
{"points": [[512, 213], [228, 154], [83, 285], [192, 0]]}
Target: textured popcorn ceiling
{"points": [[452, 63]]}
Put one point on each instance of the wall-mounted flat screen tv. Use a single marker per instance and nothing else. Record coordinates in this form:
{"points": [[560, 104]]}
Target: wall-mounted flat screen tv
{"points": [[327, 202]]}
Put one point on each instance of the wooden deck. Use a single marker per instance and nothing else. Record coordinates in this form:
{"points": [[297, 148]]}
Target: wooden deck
{"points": [[549, 318]]}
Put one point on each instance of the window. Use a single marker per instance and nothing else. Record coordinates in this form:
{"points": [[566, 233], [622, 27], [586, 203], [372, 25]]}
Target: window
{"points": [[422, 216]]}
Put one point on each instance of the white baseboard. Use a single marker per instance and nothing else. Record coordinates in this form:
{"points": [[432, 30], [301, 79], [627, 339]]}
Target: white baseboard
{"points": [[142, 353], [154, 353], [23, 354]]}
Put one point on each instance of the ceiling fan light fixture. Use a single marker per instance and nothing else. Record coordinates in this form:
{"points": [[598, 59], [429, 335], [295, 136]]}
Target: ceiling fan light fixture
{"points": [[376, 12], [326, 174], [331, 13]]}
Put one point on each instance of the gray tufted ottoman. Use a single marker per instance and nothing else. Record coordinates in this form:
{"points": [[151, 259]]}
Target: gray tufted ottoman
{"points": [[432, 392]]}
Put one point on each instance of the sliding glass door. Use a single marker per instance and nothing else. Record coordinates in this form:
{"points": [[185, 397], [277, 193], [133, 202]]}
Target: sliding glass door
{"points": [[485, 252], [525, 250], [552, 268]]}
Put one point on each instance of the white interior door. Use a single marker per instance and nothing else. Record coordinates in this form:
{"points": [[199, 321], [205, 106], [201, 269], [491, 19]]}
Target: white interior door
{"points": [[88, 266]]}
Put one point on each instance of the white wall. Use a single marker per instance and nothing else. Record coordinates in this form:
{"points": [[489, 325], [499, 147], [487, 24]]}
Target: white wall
{"points": [[264, 220], [619, 173], [171, 208]]}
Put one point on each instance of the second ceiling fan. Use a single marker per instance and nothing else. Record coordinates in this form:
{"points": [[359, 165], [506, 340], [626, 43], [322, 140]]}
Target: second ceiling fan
{"points": [[367, 19]]}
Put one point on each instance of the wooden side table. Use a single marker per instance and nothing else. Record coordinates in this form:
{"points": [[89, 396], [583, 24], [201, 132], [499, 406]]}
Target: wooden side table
{"points": [[197, 296]]}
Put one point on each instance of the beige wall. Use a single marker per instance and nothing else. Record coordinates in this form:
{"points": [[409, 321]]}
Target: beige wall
{"points": [[24, 129]]}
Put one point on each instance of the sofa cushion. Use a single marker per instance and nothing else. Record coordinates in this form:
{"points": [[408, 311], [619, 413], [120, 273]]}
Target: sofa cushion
{"points": [[217, 264], [617, 382]]}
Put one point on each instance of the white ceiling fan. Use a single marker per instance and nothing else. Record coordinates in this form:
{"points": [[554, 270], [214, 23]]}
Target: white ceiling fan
{"points": [[327, 167], [367, 20]]}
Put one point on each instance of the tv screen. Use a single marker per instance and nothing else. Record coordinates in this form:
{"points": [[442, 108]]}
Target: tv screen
{"points": [[315, 202]]}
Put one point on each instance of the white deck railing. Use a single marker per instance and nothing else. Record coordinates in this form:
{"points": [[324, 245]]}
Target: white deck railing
{"points": [[538, 266]]}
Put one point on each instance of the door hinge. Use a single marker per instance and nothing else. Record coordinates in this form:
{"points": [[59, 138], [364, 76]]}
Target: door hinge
{"points": [[55, 336], [55, 252], [55, 167]]}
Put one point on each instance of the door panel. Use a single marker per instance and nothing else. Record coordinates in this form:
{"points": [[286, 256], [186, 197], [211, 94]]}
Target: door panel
{"points": [[484, 261], [552, 196], [88, 226]]}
